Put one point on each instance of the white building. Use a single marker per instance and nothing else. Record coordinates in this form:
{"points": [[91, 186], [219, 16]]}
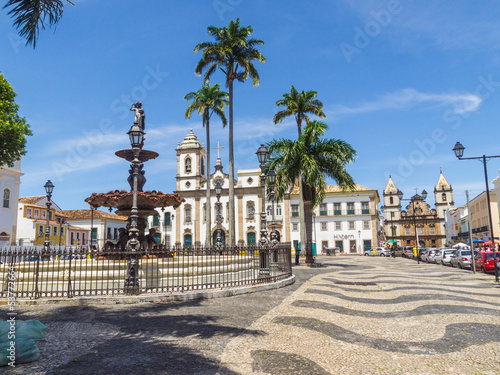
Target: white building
{"points": [[348, 221], [103, 225], [189, 226], [10, 179]]}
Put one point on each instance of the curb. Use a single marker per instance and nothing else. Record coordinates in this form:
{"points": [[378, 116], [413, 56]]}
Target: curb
{"points": [[153, 298]]}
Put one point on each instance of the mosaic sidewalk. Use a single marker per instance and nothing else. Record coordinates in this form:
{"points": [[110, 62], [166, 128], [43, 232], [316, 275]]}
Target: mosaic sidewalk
{"points": [[377, 316]]}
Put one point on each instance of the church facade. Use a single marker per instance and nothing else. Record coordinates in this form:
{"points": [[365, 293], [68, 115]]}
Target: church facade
{"points": [[418, 220], [186, 226]]}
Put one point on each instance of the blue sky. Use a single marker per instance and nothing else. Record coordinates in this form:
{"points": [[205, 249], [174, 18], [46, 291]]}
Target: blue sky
{"points": [[401, 81]]}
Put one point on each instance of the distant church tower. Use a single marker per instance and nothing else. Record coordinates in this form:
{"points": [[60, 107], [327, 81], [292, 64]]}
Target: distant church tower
{"points": [[443, 194], [392, 208], [190, 164]]}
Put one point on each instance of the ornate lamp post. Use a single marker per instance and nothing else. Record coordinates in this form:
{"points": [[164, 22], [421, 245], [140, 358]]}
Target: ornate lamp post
{"points": [[424, 195], [136, 135], [49, 187], [218, 215], [459, 153], [271, 176], [262, 155]]}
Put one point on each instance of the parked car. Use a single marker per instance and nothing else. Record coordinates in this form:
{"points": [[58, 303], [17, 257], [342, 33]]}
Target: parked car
{"points": [[429, 256], [461, 259], [443, 256], [484, 261], [398, 251], [422, 253], [408, 252], [378, 251]]}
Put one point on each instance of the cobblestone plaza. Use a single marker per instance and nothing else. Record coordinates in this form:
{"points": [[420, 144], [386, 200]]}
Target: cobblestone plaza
{"points": [[355, 315]]}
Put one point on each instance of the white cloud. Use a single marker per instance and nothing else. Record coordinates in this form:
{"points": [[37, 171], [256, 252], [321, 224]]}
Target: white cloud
{"points": [[408, 98]]}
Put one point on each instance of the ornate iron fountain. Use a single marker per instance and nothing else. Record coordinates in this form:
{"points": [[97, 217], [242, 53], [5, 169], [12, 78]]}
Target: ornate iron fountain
{"points": [[135, 204]]}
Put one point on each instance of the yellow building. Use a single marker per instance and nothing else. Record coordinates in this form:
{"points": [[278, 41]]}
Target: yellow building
{"points": [[32, 222]]}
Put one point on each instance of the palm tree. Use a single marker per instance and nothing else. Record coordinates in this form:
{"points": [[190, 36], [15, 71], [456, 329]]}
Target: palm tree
{"points": [[311, 159], [233, 53], [207, 101], [299, 104], [29, 15]]}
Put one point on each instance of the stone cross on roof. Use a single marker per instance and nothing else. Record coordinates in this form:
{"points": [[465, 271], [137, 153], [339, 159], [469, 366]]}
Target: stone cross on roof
{"points": [[218, 150]]}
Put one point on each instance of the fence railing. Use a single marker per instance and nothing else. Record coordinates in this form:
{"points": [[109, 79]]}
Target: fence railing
{"points": [[68, 272]]}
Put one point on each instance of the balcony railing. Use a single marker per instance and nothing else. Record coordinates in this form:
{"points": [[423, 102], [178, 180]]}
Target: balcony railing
{"points": [[363, 211]]}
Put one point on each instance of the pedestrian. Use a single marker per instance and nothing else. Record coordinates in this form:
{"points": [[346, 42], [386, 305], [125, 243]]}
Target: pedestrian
{"points": [[297, 255]]}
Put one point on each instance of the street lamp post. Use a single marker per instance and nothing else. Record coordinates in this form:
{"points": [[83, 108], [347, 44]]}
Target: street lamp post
{"points": [[49, 187], [271, 176], [132, 286], [359, 241], [218, 215], [459, 153], [262, 155], [424, 195]]}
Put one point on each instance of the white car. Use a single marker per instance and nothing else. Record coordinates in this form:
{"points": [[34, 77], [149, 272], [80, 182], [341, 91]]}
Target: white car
{"points": [[378, 251], [443, 256]]}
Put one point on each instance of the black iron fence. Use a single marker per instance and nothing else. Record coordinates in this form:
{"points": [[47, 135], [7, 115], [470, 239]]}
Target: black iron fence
{"points": [[68, 272]]}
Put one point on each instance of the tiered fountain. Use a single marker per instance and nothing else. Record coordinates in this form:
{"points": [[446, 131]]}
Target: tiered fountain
{"points": [[135, 204]]}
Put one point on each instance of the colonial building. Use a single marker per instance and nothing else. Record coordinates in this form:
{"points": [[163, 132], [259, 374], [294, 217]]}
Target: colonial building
{"points": [[418, 220], [10, 179], [342, 220], [190, 224], [93, 227], [347, 221], [480, 222], [32, 222]]}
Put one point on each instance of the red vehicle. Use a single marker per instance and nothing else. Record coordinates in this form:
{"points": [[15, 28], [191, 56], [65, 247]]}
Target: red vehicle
{"points": [[484, 261]]}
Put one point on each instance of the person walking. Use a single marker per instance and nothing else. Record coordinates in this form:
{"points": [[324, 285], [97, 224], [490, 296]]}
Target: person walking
{"points": [[297, 255]]}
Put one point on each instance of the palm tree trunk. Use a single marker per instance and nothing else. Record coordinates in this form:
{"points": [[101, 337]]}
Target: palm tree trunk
{"points": [[231, 236], [308, 220], [208, 210], [303, 228], [302, 218]]}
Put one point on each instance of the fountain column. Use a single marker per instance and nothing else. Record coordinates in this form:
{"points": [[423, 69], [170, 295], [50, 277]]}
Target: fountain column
{"points": [[132, 282]]}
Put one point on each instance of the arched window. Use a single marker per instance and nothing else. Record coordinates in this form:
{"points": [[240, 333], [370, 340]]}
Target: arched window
{"points": [[269, 210], [391, 200], [278, 210], [6, 198], [187, 213], [187, 165], [443, 197]]}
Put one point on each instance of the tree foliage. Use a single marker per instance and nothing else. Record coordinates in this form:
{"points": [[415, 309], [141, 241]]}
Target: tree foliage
{"points": [[312, 159], [233, 52], [299, 104], [30, 15], [13, 128]]}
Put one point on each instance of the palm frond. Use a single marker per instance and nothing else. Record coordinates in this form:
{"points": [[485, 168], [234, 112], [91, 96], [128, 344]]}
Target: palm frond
{"points": [[30, 15]]}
